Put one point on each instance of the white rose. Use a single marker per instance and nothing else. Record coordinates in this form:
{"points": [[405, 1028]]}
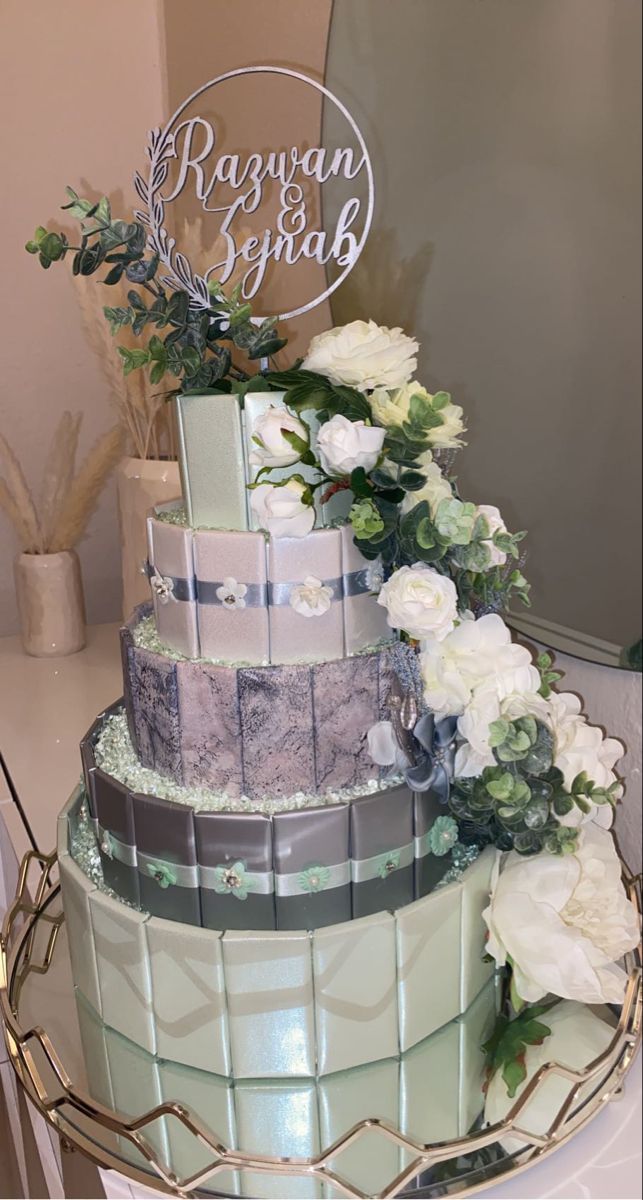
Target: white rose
{"points": [[272, 448], [344, 445], [578, 1037], [496, 524], [565, 920], [392, 408], [447, 436], [436, 489], [281, 511], [311, 598], [582, 747], [474, 652], [421, 601], [363, 355]]}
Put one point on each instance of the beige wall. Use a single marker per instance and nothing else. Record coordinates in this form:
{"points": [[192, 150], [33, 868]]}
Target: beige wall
{"points": [[80, 90], [81, 84]]}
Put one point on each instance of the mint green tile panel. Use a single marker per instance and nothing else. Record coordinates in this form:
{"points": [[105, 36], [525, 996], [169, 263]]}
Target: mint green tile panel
{"points": [[278, 1120], [212, 461], [348, 1097], [269, 985], [475, 898], [475, 1025], [355, 992], [428, 963], [125, 984], [137, 1090], [188, 995], [76, 891], [212, 1100]]}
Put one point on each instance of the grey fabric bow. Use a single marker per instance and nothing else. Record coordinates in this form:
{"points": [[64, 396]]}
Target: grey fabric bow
{"points": [[428, 745]]}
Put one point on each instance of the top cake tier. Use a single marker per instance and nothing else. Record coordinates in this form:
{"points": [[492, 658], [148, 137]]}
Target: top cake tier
{"points": [[243, 597]]}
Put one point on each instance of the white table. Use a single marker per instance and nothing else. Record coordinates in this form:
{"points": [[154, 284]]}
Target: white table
{"points": [[46, 705]]}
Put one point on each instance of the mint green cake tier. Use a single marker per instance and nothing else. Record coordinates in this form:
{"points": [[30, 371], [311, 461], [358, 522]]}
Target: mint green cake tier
{"points": [[276, 1004]]}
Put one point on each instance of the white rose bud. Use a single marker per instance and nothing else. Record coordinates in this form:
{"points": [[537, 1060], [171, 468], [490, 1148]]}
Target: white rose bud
{"points": [[272, 449], [363, 355], [421, 601], [281, 510], [496, 524], [344, 445]]}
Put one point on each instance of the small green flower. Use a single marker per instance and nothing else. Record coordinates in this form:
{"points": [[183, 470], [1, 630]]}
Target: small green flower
{"points": [[365, 519], [313, 879], [163, 874], [443, 835], [232, 879], [388, 863], [455, 521]]}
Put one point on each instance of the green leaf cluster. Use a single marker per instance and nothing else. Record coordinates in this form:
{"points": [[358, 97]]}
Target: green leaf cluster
{"points": [[547, 676], [517, 803], [506, 1048], [365, 519], [405, 443], [306, 390], [194, 348]]}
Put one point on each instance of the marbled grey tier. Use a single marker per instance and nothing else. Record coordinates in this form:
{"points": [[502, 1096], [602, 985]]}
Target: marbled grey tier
{"points": [[255, 731], [293, 869], [269, 1004]]}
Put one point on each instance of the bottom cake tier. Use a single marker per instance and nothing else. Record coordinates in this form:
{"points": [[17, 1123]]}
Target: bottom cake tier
{"points": [[276, 1004]]}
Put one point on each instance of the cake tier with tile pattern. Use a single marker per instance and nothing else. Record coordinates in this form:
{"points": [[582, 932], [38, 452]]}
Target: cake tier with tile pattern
{"points": [[295, 868], [277, 1004], [297, 1117], [255, 731], [236, 596]]}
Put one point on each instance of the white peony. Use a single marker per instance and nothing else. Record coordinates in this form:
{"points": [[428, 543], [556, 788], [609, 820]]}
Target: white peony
{"points": [[578, 1037], [311, 598], [272, 449], [280, 509], [363, 355], [578, 747], [564, 920], [421, 601], [510, 694], [475, 652], [496, 524], [436, 489], [447, 436], [344, 445]]}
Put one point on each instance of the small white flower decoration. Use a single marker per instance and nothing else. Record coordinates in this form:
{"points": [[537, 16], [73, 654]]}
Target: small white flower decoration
{"points": [[311, 598], [162, 586], [231, 594]]}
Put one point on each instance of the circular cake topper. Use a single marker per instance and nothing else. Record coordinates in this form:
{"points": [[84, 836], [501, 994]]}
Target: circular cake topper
{"points": [[188, 146]]}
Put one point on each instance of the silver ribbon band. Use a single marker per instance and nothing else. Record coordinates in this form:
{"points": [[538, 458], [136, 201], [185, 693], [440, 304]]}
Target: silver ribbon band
{"points": [[113, 847], [422, 845], [380, 866], [263, 595]]}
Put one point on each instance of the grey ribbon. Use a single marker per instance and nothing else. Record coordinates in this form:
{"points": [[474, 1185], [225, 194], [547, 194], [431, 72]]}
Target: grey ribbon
{"points": [[434, 759], [261, 595]]}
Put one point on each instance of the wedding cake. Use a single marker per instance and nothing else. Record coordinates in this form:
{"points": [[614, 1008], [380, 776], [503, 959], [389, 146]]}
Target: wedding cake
{"points": [[336, 796]]}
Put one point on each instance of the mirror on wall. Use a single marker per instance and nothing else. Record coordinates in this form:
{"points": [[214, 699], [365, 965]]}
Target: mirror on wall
{"points": [[505, 144]]}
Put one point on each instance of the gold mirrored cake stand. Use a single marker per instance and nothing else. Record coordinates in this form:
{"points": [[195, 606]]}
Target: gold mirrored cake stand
{"points": [[42, 1037]]}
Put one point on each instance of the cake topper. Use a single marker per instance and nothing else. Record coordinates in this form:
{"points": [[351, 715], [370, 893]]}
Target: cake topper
{"points": [[184, 155]]}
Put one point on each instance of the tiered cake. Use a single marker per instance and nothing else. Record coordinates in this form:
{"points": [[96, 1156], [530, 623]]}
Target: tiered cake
{"points": [[265, 903]]}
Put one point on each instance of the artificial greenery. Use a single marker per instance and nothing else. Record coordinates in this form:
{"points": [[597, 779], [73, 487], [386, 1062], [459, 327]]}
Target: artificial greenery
{"points": [[191, 344], [517, 804], [506, 1048]]}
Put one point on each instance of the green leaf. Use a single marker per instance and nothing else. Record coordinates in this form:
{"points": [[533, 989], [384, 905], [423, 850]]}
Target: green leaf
{"points": [[133, 359]]}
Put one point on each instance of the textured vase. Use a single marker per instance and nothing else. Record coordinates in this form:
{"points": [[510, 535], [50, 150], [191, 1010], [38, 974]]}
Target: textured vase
{"points": [[141, 483], [50, 603]]}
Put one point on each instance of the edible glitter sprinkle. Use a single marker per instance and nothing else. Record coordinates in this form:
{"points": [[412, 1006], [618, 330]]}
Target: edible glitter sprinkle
{"points": [[116, 756], [145, 636]]}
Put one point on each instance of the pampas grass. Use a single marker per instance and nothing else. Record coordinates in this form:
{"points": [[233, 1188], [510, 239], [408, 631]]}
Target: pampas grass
{"points": [[67, 499]]}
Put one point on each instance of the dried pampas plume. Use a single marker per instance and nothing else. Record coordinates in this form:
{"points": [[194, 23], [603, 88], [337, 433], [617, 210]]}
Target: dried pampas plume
{"points": [[67, 499]]}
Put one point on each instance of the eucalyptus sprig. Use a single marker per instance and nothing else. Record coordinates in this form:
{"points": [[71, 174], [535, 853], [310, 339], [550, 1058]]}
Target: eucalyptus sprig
{"points": [[195, 346]]}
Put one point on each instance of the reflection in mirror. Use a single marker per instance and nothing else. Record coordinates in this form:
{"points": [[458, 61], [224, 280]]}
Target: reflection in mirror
{"points": [[506, 239]]}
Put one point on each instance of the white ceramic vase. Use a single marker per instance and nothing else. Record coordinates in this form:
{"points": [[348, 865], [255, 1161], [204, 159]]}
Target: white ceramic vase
{"points": [[51, 604], [141, 483]]}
